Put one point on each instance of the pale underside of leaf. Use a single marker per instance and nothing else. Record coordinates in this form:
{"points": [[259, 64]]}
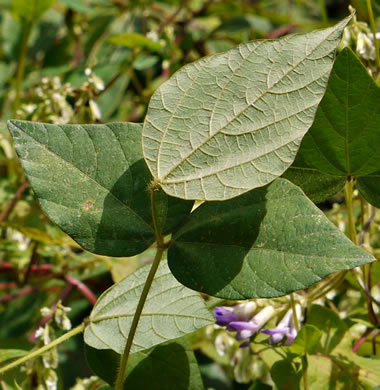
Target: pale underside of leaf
{"points": [[233, 122], [171, 311]]}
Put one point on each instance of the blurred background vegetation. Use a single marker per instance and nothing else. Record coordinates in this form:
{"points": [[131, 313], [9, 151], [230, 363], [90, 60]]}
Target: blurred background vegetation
{"points": [[99, 61]]}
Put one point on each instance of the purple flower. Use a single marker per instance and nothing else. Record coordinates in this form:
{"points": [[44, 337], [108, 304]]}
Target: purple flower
{"points": [[244, 329], [224, 316], [285, 328], [243, 320]]}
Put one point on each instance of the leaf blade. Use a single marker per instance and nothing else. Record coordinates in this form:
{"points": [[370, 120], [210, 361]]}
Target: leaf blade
{"points": [[265, 243], [200, 140], [338, 143], [171, 311], [91, 180]]}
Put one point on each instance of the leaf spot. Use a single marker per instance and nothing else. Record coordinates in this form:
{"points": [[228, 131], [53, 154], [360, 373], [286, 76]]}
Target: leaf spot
{"points": [[88, 204]]}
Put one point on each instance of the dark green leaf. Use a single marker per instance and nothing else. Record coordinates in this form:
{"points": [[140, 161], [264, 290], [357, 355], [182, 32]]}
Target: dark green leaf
{"points": [[345, 137], [284, 375], [169, 366], [266, 243], [232, 122], [171, 311], [369, 187], [91, 180], [318, 186]]}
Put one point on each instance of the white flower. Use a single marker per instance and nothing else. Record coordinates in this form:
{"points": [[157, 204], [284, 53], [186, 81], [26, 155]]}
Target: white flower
{"points": [[365, 47]]}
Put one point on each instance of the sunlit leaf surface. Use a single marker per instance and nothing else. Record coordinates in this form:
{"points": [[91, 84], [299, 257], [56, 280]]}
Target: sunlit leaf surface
{"points": [[232, 122]]}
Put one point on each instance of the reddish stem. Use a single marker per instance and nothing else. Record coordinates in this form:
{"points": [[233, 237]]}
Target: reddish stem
{"points": [[43, 269], [82, 288], [281, 32], [4, 214], [7, 285], [361, 340]]}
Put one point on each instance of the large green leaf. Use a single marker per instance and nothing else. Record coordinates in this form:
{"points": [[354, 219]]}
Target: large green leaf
{"points": [[232, 122], [345, 137], [266, 243], [91, 180], [30, 10], [171, 311], [172, 365]]}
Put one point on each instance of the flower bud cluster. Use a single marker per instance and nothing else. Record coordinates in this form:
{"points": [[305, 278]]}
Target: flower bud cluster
{"points": [[60, 103], [237, 326], [41, 371], [247, 319], [358, 36], [48, 102]]}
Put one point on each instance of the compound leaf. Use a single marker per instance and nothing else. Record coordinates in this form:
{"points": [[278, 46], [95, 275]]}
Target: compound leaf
{"points": [[266, 243], [91, 180], [232, 122], [171, 311]]}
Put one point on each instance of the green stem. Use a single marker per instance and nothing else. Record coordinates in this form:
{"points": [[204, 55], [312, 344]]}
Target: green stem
{"points": [[304, 370], [334, 282], [304, 358], [348, 194], [21, 64], [43, 349], [373, 28], [322, 5], [140, 306], [296, 322]]}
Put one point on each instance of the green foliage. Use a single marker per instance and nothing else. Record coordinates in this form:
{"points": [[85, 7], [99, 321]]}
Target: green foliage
{"points": [[171, 311], [172, 102], [110, 215], [172, 365], [265, 243], [344, 138], [250, 107], [307, 340], [28, 11], [135, 41]]}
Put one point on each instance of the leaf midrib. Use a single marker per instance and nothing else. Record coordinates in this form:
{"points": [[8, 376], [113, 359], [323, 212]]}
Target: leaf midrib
{"points": [[127, 315], [250, 249], [252, 103]]}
